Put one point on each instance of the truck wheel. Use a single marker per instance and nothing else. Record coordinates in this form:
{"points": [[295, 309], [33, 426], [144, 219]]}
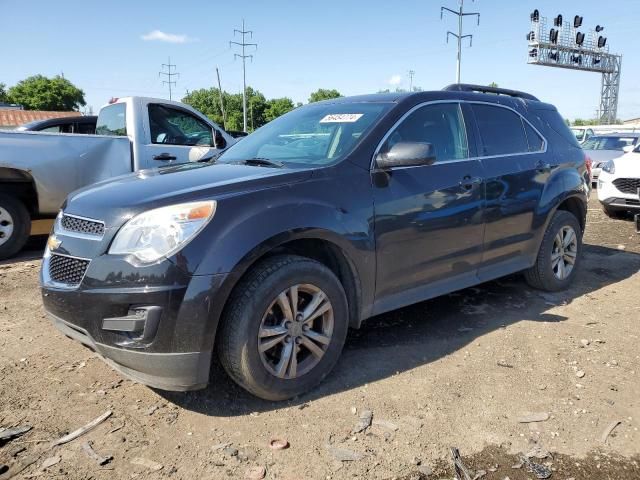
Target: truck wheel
{"points": [[15, 226], [559, 254], [284, 327]]}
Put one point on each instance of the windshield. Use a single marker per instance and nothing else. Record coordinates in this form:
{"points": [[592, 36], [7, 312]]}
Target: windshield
{"points": [[608, 143], [579, 133], [312, 135]]}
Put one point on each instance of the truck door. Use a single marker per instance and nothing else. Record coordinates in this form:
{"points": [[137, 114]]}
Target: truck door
{"points": [[177, 136]]}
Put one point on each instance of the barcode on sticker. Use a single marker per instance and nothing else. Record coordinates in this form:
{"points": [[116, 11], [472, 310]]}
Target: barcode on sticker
{"points": [[341, 118]]}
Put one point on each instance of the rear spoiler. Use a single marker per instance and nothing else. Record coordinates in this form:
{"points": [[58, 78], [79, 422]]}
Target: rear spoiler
{"points": [[465, 87]]}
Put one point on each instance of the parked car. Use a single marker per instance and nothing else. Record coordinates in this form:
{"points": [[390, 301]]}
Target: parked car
{"points": [[604, 147], [326, 216], [582, 133], [85, 124], [38, 171], [619, 186]]}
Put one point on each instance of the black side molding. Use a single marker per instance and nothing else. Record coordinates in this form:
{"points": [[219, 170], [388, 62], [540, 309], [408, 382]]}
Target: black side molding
{"points": [[466, 87]]}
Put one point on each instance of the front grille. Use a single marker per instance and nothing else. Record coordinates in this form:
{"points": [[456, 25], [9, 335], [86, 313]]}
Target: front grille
{"points": [[627, 185], [67, 270], [81, 225]]}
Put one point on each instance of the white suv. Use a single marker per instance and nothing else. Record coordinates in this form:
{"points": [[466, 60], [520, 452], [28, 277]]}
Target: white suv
{"points": [[619, 184]]}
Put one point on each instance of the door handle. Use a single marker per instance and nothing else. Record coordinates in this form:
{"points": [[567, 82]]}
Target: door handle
{"points": [[164, 156], [543, 167], [468, 182]]}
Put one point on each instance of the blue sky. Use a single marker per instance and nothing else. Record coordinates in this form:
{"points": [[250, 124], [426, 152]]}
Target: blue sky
{"points": [[356, 46]]}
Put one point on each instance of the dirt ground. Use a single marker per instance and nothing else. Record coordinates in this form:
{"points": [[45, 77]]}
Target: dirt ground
{"points": [[458, 371]]}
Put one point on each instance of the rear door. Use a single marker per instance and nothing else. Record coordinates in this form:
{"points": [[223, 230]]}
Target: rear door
{"points": [[177, 136], [428, 219], [513, 156]]}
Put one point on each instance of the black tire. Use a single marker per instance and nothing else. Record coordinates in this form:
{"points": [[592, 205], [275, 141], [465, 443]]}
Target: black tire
{"points": [[541, 275], [13, 212], [237, 339]]}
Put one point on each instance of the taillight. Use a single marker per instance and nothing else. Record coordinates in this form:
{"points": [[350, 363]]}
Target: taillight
{"points": [[588, 163]]}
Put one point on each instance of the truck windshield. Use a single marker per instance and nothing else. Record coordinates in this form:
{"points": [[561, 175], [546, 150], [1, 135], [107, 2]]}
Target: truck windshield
{"points": [[112, 120], [319, 134]]}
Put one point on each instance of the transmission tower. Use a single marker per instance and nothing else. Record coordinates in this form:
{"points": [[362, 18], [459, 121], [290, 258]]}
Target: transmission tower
{"points": [[243, 44], [459, 36], [411, 74], [169, 74]]}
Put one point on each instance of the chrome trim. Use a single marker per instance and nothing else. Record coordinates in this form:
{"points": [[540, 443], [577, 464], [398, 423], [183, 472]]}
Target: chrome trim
{"points": [[373, 166], [46, 278], [59, 228]]}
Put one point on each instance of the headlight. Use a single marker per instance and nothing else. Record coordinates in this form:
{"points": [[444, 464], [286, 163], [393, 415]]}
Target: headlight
{"points": [[609, 167], [163, 231]]}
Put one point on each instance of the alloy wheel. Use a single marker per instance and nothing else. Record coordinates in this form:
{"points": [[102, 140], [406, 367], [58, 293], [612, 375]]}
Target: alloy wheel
{"points": [[6, 226], [296, 331], [564, 252]]}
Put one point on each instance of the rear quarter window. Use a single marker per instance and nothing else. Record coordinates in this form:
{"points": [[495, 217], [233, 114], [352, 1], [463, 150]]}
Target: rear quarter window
{"points": [[501, 131], [552, 120]]}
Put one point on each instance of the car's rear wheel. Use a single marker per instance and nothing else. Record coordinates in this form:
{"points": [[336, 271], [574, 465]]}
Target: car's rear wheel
{"points": [[559, 254], [284, 328], [15, 226]]}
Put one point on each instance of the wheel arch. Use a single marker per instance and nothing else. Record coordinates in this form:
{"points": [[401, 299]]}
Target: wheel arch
{"points": [[21, 185]]}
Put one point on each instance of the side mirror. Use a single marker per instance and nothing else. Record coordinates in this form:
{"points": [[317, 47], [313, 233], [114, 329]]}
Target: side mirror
{"points": [[219, 141], [407, 154], [628, 148]]}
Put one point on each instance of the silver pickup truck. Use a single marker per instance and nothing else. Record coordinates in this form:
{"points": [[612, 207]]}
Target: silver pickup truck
{"points": [[38, 170]]}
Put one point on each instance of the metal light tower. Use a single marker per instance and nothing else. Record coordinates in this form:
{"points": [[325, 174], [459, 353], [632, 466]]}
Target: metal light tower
{"points": [[563, 45], [244, 57], [461, 14]]}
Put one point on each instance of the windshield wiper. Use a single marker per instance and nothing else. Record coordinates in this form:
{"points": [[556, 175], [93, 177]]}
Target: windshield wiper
{"points": [[262, 162]]}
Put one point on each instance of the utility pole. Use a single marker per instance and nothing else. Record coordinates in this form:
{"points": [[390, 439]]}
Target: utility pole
{"points": [[224, 115], [411, 74], [169, 74], [461, 14], [244, 57]]}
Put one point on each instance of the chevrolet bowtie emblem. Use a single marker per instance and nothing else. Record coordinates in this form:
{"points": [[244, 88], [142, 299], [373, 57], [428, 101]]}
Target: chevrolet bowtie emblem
{"points": [[53, 242]]}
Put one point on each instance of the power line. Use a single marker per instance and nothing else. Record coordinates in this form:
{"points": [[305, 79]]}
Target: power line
{"points": [[461, 14], [169, 74], [244, 57]]}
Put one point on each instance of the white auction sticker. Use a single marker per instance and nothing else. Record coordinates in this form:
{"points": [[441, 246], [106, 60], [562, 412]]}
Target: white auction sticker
{"points": [[342, 118]]}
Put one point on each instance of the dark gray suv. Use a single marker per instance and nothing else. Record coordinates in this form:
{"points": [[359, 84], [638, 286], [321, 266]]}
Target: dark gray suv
{"points": [[333, 213]]}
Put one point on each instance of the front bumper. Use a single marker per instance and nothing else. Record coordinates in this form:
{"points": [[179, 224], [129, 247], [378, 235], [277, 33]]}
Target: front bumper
{"points": [[613, 198], [172, 354]]}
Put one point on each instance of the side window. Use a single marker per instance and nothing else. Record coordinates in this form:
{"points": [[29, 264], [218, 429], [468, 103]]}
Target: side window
{"points": [[86, 128], [536, 142], [441, 125], [53, 129], [501, 130], [171, 126]]}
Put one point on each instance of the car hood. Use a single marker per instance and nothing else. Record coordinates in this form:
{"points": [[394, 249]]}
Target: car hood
{"points": [[115, 200], [601, 156], [628, 165]]}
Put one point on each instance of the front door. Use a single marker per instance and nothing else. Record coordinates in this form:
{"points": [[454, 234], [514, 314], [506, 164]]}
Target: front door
{"points": [[176, 136], [428, 219]]}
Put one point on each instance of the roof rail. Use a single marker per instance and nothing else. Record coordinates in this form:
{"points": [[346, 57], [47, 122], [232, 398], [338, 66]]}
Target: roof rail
{"points": [[465, 87]]}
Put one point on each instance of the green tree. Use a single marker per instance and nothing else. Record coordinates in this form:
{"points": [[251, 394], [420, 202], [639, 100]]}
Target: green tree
{"points": [[324, 94], [493, 84], [4, 96], [41, 93], [277, 107]]}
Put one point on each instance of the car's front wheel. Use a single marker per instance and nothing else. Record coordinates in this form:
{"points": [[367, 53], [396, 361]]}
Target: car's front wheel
{"points": [[559, 254], [284, 328]]}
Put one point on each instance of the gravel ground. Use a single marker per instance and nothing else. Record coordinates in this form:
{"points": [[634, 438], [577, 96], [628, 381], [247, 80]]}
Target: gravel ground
{"points": [[464, 370]]}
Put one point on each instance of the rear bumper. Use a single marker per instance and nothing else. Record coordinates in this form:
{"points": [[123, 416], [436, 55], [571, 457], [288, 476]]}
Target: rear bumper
{"points": [[166, 371]]}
